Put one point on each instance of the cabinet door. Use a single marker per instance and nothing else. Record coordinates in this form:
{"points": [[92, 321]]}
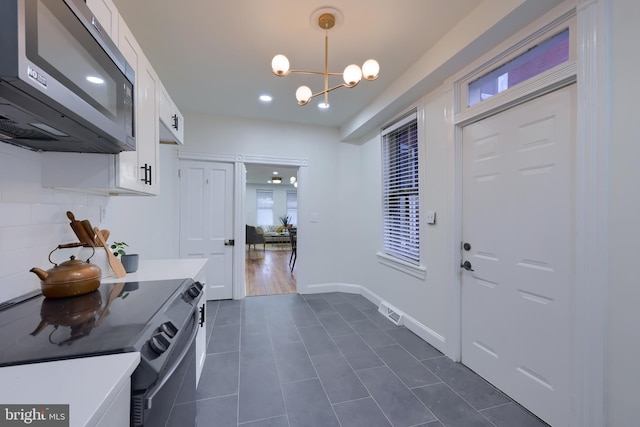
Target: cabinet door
{"points": [[138, 170], [127, 173], [148, 150], [171, 120]]}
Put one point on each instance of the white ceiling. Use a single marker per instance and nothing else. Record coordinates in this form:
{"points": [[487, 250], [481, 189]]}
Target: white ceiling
{"points": [[260, 174], [214, 56]]}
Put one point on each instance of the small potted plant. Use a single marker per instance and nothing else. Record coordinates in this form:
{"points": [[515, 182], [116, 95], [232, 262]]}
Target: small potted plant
{"points": [[129, 261]]}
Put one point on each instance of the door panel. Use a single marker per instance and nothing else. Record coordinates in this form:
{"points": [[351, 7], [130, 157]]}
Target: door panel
{"points": [[518, 215], [206, 221]]}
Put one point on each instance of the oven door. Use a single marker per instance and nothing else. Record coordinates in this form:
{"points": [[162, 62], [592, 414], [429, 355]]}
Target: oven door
{"points": [[171, 400]]}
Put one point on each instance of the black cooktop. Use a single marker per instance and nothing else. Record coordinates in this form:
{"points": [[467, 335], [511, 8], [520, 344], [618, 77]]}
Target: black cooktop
{"points": [[109, 320]]}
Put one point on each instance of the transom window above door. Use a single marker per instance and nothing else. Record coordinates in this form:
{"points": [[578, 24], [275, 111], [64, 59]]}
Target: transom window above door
{"points": [[538, 59]]}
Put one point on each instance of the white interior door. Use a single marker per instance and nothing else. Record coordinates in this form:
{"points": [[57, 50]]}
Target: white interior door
{"points": [[206, 221], [518, 218]]}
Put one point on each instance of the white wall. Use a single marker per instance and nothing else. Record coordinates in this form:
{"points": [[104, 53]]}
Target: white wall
{"points": [[33, 220], [624, 214], [149, 224], [424, 300], [318, 212]]}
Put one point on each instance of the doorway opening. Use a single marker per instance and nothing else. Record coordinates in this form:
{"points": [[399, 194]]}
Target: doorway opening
{"points": [[271, 221]]}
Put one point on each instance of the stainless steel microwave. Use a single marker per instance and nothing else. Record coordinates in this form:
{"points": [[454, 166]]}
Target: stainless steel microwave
{"points": [[64, 85]]}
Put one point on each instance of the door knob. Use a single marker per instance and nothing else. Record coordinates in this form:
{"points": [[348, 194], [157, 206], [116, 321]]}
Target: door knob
{"points": [[466, 246], [467, 266]]}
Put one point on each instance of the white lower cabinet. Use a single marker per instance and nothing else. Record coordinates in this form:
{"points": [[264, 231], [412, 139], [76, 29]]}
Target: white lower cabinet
{"points": [[118, 412]]}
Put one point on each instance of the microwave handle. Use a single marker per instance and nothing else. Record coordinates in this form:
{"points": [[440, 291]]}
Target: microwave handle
{"points": [[97, 26]]}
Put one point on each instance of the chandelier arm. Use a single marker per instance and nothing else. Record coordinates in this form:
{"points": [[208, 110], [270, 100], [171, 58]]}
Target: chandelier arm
{"points": [[311, 72], [330, 89]]}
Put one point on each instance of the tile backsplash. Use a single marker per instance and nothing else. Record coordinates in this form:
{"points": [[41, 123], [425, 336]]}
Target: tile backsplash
{"points": [[33, 220]]}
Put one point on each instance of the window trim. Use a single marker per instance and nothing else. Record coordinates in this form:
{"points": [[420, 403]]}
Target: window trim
{"points": [[416, 269]]}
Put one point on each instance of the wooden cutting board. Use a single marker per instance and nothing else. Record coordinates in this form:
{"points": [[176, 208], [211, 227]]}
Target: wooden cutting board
{"points": [[85, 236], [114, 263]]}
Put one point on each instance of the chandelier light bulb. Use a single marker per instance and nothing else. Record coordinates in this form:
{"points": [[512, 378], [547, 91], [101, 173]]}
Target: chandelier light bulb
{"points": [[370, 69], [303, 95], [280, 65], [352, 75]]}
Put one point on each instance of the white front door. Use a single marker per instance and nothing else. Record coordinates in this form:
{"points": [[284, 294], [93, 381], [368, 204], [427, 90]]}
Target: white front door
{"points": [[206, 221], [518, 221]]}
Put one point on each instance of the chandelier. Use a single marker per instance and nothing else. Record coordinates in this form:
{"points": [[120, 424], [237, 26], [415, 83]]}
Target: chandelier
{"points": [[351, 75]]}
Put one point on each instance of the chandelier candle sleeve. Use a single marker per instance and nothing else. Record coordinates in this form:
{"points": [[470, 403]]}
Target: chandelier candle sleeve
{"points": [[352, 74]]}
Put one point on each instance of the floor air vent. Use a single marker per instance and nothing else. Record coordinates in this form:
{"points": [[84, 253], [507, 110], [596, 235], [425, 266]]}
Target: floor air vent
{"points": [[391, 313]]}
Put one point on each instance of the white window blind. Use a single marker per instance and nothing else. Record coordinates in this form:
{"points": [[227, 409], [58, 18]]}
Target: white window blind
{"points": [[264, 207], [292, 207], [400, 190]]}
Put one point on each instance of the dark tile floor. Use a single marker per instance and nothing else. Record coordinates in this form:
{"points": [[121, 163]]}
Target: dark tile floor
{"points": [[332, 360]]}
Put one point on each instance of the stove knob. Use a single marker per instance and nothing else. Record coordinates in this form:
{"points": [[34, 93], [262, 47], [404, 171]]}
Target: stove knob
{"points": [[158, 343], [194, 291], [169, 329]]}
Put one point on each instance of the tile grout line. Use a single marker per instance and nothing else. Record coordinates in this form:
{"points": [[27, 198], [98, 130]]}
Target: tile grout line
{"points": [[311, 360], [275, 362]]}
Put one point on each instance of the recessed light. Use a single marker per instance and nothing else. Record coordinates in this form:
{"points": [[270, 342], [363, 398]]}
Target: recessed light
{"points": [[266, 98], [95, 80]]}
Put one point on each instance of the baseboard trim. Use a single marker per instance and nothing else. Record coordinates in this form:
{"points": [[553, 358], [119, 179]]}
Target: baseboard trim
{"points": [[424, 332]]}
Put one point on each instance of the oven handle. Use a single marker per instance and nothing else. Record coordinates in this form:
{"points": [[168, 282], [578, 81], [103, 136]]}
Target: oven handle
{"points": [[172, 369]]}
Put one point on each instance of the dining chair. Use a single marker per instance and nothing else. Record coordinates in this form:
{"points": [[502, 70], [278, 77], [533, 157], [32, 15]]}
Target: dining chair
{"points": [[293, 237]]}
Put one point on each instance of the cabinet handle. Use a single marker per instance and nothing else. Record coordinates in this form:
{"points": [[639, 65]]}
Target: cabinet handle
{"points": [[202, 315], [175, 121], [147, 174]]}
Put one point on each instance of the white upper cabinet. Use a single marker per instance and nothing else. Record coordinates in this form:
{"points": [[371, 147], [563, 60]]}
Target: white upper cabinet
{"points": [[171, 120], [138, 170]]}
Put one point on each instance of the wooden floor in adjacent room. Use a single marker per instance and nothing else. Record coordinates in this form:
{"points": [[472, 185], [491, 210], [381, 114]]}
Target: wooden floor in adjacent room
{"points": [[268, 272]]}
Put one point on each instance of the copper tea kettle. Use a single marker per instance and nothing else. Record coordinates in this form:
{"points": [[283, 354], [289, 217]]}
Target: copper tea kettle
{"points": [[70, 278]]}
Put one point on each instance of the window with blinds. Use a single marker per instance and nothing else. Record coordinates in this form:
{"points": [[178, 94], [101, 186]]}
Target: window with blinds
{"points": [[292, 207], [400, 190], [264, 207]]}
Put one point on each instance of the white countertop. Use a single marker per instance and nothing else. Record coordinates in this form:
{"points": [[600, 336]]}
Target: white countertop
{"points": [[88, 385], [159, 269]]}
